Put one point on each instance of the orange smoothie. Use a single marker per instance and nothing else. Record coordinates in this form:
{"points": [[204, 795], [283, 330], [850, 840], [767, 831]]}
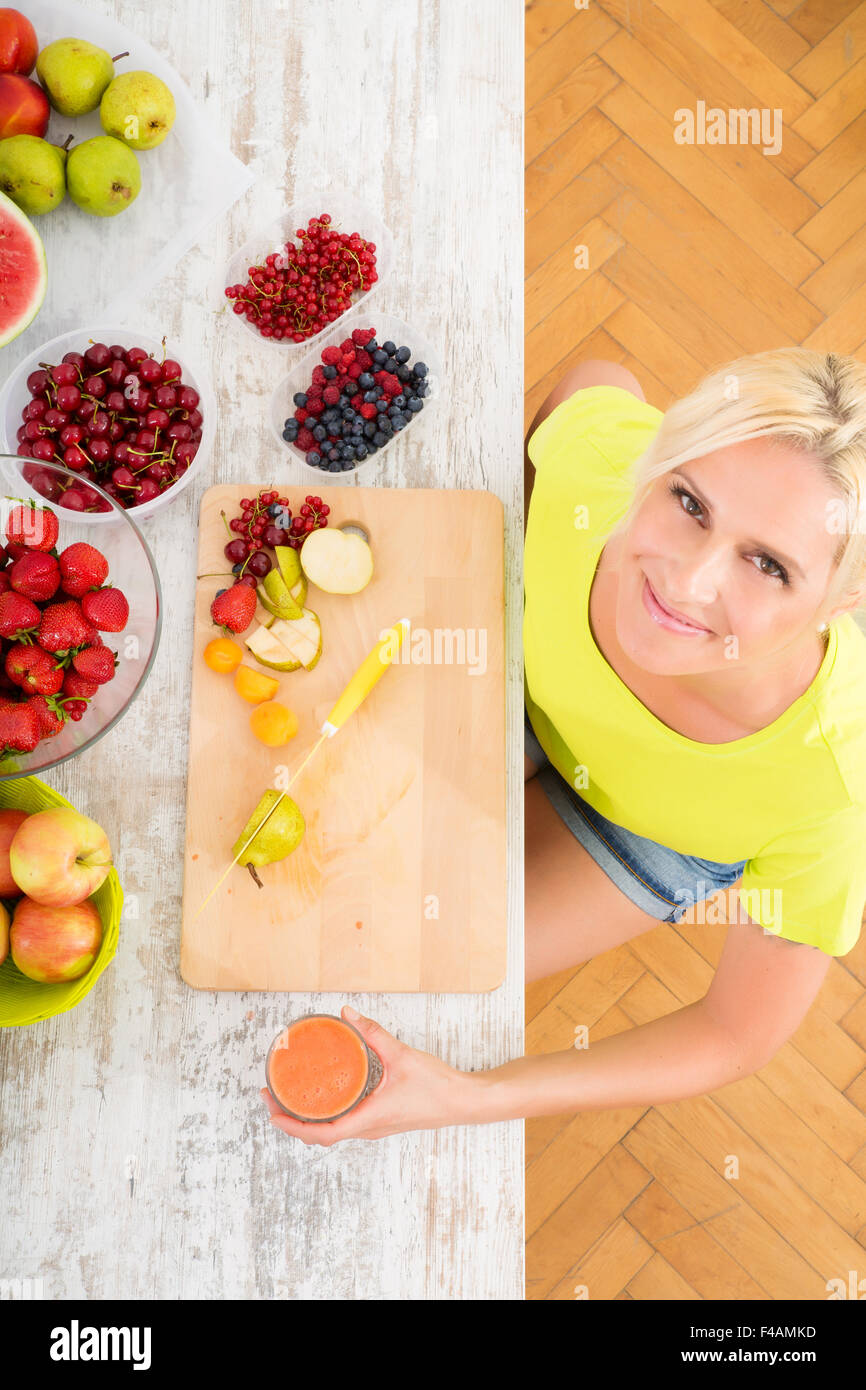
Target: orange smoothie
{"points": [[318, 1067]]}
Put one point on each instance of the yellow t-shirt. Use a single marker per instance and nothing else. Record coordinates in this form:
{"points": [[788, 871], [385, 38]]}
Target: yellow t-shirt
{"points": [[789, 799]]}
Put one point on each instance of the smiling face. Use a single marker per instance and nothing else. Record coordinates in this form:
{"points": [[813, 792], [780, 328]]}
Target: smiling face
{"points": [[728, 557]]}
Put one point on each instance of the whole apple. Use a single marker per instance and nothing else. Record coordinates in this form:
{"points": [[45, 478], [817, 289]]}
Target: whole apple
{"points": [[4, 933], [10, 821], [18, 42], [24, 108], [59, 857], [53, 944]]}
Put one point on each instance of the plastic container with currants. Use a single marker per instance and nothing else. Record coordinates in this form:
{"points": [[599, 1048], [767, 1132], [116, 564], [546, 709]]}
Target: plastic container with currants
{"points": [[116, 408]]}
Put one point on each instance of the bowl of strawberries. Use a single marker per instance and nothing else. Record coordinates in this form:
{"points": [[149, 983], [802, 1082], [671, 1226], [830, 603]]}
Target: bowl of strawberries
{"points": [[80, 620]]}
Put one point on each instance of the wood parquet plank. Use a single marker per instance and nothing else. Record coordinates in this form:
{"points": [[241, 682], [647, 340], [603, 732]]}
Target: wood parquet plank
{"points": [[696, 254]]}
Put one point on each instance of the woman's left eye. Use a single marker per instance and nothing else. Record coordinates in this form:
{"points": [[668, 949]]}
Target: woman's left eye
{"points": [[684, 498], [775, 572]]}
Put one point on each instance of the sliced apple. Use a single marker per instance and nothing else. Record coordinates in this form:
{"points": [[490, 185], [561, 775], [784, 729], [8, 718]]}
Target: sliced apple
{"points": [[340, 562], [276, 597], [270, 652], [302, 637]]}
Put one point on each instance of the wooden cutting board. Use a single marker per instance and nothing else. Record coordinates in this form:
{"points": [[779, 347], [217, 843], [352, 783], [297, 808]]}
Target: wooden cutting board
{"points": [[400, 881]]}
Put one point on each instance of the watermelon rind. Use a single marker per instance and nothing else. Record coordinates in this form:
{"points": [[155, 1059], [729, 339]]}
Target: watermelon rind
{"points": [[21, 251]]}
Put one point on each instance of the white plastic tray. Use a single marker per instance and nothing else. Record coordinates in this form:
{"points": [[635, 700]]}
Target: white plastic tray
{"points": [[348, 214], [298, 379]]}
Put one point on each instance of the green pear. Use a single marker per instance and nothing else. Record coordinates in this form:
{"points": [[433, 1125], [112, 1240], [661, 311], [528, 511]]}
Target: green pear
{"points": [[75, 74], [277, 597], [281, 835], [138, 108], [33, 173], [103, 176]]}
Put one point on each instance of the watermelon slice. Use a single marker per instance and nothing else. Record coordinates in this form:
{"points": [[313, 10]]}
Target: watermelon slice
{"points": [[23, 272]]}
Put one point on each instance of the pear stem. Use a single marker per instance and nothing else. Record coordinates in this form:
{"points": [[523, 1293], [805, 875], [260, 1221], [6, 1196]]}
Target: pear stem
{"points": [[255, 876], [67, 142], [120, 55]]}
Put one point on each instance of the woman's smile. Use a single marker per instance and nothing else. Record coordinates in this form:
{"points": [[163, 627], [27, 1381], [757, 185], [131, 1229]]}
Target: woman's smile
{"points": [[669, 618]]}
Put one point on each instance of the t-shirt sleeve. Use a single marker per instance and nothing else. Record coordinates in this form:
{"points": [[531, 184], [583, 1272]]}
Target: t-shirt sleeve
{"points": [[614, 421], [809, 883]]}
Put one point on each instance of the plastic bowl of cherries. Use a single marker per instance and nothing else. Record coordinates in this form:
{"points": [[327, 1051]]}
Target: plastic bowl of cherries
{"points": [[115, 407]]}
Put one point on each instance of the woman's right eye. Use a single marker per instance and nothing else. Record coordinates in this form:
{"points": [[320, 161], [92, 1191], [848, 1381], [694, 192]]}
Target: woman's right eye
{"points": [[689, 504]]}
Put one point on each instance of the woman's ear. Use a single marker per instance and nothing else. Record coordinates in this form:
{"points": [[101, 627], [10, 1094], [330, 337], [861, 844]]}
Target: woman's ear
{"points": [[851, 599]]}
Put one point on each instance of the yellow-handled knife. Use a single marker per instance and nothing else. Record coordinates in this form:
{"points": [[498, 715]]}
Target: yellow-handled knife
{"points": [[368, 674]]}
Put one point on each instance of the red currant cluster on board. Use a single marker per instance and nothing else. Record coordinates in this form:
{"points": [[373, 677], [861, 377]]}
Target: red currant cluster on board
{"points": [[113, 416], [267, 521], [301, 289], [53, 607]]}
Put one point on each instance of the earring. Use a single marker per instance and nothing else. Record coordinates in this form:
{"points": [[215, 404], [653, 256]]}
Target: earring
{"points": [[823, 627]]}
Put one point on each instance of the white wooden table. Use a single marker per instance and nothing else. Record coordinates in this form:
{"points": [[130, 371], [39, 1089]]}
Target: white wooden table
{"points": [[137, 1155]]}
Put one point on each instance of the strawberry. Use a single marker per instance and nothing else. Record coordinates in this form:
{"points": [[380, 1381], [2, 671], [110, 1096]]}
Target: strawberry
{"points": [[82, 567], [18, 615], [4, 581], [34, 527], [62, 626], [35, 575], [19, 727], [34, 670], [106, 609], [49, 714], [76, 685], [234, 608], [95, 663]]}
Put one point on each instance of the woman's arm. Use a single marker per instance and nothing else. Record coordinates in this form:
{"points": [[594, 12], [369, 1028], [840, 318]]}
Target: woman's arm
{"points": [[594, 372], [761, 991]]}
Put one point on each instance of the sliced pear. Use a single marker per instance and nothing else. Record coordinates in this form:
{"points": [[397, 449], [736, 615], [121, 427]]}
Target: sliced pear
{"points": [[298, 591], [276, 597], [302, 637], [262, 615], [340, 562], [269, 651], [289, 563]]}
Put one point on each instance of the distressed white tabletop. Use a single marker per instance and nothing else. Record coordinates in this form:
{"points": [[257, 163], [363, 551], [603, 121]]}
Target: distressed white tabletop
{"points": [[137, 1155]]}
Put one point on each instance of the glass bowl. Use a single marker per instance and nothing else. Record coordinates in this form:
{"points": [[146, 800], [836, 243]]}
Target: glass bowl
{"points": [[348, 214], [132, 570], [14, 396], [388, 328]]}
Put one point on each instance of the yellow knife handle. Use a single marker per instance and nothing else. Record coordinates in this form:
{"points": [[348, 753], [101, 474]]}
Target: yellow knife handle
{"points": [[371, 670]]}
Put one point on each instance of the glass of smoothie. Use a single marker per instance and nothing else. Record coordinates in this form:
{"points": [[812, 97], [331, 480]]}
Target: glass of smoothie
{"points": [[319, 1068]]}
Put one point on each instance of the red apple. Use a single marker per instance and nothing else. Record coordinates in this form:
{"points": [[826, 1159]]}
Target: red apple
{"points": [[59, 857], [9, 823], [4, 933], [52, 944], [24, 108], [18, 42]]}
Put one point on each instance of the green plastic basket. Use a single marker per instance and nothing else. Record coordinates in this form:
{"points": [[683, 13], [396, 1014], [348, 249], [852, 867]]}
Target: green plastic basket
{"points": [[25, 1001]]}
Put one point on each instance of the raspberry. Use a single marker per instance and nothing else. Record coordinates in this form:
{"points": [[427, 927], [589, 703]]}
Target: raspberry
{"points": [[369, 411], [305, 439], [331, 395], [319, 377], [354, 371], [330, 357], [316, 405], [391, 384], [347, 359], [363, 360], [301, 414], [360, 336], [347, 346]]}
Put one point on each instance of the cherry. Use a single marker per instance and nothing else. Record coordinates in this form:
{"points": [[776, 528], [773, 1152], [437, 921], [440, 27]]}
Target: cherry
{"points": [[72, 434], [65, 374], [134, 356], [75, 458], [42, 449], [147, 490], [122, 477], [187, 398], [68, 397], [100, 450], [236, 551], [76, 359], [75, 501], [37, 382], [260, 564], [165, 397], [97, 355], [149, 370], [170, 370], [116, 372], [95, 386]]}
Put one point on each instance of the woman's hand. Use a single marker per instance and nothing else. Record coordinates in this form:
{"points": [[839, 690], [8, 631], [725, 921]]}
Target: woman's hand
{"points": [[417, 1091]]}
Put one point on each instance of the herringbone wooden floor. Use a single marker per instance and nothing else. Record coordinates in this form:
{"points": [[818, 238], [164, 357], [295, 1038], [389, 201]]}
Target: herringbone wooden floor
{"points": [[696, 254]]}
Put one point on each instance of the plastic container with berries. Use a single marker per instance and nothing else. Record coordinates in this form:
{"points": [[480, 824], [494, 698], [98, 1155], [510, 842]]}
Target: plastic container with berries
{"points": [[80, 620], [136, 417], [349, 216], [360, 436]]}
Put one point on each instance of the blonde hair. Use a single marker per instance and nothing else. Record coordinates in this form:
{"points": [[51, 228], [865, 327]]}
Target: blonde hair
{"points": [[814, 402]]}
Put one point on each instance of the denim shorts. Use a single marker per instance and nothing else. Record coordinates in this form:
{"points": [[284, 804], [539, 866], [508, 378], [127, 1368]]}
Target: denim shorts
{"points": [[659, 880]]}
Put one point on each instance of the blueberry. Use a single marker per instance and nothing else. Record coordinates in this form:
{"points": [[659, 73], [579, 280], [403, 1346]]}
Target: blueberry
{"points": [[385, 426], [300, 399], [398, 422], [361, 450], [371, 346], [379, 438], [347, 464], [334, 467], [402, 354], [330, 372], [403, 374], [289, 438], [366, 380], [320, 432], [351, 389], [370, 429], [420, 369], [370, 397], [333, 454], [391, 365], [218, 592], [399, 401], [415, 405], [422, 389], [389, 347], [314, 458], [379, 357]]}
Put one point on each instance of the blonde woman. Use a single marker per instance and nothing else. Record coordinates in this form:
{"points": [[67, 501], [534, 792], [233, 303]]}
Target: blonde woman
{"points": [[696, 724]]}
